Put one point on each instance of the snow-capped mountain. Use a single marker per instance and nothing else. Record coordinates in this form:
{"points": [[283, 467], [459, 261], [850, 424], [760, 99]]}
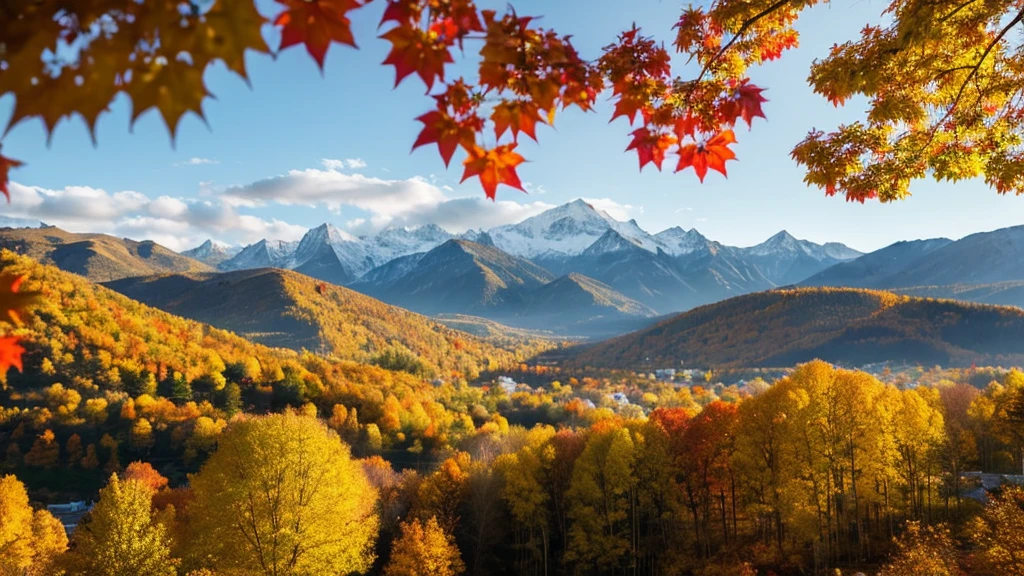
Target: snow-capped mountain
{"points": [[786, 260], [263, 254], [566, 230], [673, 268], [331, 254], [212, 252], [676, 242], [783, 244], [392, 243]]}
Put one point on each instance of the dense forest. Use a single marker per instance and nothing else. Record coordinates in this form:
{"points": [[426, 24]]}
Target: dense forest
{"points": [[825, 468]]}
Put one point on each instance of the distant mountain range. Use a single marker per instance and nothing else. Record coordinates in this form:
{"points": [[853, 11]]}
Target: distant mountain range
{"points": [[607, 275], [848, 326], [987, 267], [573, 270]]}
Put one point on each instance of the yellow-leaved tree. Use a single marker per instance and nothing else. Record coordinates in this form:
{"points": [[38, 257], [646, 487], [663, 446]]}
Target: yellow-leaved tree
{"points": [[121, 536], [29, 541], [281, 495], [424, 548]]}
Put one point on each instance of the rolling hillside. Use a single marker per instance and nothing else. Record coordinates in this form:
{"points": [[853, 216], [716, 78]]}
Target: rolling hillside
{"points": [[846, 326], [286, 309], [98, 257], [98, 341]]}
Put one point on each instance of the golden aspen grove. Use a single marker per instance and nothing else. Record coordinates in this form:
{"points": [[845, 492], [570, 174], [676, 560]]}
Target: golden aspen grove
{"points": [[140, 441]]}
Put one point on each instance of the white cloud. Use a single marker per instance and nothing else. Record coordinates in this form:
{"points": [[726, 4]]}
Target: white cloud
{"points": [[684, 209], [174, 222], [536, 189], [407, 202], [336, 164], [615, 209], [197, 161]]}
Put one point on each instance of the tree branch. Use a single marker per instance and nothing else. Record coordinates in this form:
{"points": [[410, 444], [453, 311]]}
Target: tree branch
{"points": [[743, 28]]}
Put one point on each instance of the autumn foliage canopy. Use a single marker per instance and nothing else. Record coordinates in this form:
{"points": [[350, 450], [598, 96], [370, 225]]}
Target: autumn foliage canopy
{"points": [[942, 79]]}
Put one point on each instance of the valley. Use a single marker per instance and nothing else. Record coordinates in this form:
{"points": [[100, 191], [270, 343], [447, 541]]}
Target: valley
{"points": [[491, 365]]}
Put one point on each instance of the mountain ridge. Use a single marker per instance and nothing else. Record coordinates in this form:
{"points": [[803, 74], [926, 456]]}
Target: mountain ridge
{"points": [[782, 327]]}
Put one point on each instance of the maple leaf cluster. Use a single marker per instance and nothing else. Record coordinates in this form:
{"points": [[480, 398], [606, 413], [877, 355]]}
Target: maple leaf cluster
{"points": [[157, 52], [527, 74]]}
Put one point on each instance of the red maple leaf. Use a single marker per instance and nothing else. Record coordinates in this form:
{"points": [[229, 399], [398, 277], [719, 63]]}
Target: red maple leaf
{"points": [[494, 166], [446, 132], [749, 99], [712, 154], [518, 116], [401, 11], [686, 126], [5, 165], [650, 146], [316, 23], [10, 353], [628, 106], [413, 50]]}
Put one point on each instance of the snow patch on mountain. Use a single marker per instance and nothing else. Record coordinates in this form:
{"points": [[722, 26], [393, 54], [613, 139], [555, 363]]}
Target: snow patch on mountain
{"points": [[566, 230]]}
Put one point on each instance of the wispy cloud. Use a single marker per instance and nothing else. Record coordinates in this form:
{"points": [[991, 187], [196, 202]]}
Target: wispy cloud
{"points": [[197, 161], [178, 223], [349, 163]]}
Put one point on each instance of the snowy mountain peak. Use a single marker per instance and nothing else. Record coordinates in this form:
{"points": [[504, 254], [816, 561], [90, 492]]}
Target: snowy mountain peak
{"points": [[677, 241], [212, 252], [785, 245], [781, 243], [329, 233], [262, 254], [611, 241], [565, 231]]}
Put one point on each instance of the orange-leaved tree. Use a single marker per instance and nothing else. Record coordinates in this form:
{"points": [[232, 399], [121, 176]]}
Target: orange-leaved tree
{"points": [[942, 79]]}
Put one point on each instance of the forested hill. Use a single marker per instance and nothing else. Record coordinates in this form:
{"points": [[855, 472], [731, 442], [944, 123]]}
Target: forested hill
{"points": [[99, 257], [288, 309], [840, 325], [91, 338]]}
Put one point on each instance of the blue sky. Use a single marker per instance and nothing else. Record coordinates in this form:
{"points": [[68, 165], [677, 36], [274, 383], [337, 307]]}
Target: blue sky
{"points": [[275, 137]]}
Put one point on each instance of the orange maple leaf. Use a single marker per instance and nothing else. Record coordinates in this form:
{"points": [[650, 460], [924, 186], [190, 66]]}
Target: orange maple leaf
{"points": [[446, 132], [494, 166], [628, 106], [712, 154], [650, 146], [13, 302], [519, 116], [10, 353], [316, 23], [414, 50], [5, 165]]}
